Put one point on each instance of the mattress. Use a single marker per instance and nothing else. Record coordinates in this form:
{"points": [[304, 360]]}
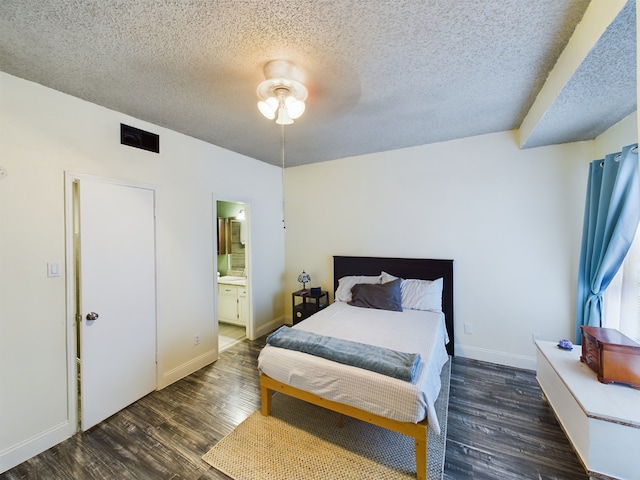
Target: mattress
{"points": [[410, 331]]}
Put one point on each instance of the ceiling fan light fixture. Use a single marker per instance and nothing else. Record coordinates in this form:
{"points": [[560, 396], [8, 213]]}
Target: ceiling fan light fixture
{"points": [[294, 107], [282, 94], [268, 107], [283, 117]]}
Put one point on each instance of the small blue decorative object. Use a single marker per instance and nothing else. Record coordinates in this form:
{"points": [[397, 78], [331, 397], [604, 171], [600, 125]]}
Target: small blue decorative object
{"points": [[565, 345]]}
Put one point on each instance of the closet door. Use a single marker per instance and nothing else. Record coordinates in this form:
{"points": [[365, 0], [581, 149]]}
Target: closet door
{"points": [[117, 291]]}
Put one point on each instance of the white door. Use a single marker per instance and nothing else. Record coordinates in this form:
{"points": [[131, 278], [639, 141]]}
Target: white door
{"points": [[117, 351]]}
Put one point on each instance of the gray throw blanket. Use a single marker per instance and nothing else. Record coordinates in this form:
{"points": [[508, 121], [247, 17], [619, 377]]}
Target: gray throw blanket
{"points": [[403, 366]]}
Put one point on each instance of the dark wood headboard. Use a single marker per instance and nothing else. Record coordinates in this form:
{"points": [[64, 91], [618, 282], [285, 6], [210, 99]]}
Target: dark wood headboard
{"points": [[420, 268]]}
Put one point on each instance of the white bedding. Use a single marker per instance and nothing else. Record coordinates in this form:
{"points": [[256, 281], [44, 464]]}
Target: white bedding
{"points": [[410, 331]]}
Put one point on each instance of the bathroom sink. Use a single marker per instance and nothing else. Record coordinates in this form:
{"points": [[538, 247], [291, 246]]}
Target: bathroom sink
{"points": [[232, 280]]}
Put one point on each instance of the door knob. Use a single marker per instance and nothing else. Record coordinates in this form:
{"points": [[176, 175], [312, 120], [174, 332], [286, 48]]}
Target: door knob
{"points": [[92, 316]]}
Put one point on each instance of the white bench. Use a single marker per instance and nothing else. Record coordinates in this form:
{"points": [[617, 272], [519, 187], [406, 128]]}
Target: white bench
{"points": [[601, 421]]}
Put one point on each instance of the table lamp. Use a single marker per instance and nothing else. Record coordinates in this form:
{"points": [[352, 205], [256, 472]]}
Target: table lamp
{"points": [[304, 278]]}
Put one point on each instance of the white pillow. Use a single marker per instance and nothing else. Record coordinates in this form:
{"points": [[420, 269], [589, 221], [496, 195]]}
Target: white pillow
{"points": [[422, 294], [386, 277], [343, 292]]}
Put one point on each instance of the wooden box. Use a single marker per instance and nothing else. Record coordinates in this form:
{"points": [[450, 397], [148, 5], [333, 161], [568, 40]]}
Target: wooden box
{"points": [[612, 355]]}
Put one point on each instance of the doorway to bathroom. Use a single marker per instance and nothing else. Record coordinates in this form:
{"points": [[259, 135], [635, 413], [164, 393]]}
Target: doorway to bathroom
{"points": [[232, 246]]}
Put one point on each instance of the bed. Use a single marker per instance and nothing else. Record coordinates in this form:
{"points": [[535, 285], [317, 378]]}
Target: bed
{"points": [[402, 406]]}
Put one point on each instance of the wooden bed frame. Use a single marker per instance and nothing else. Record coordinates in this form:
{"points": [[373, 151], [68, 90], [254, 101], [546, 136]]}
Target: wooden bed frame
{"points": [[424, 269]]}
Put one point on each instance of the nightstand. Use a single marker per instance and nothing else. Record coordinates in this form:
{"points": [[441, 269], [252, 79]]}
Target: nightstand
{"points": [[305, 305]]}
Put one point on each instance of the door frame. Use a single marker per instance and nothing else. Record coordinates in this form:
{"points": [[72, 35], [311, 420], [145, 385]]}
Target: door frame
{"points": [[71, 276], [247, 202]]}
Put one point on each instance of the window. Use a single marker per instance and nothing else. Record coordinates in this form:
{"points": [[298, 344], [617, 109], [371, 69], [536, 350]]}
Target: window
{"points": [[622, 298]]}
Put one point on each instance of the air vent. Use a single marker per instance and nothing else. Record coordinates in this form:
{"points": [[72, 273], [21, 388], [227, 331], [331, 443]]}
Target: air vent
{"points": [[134, 137]]}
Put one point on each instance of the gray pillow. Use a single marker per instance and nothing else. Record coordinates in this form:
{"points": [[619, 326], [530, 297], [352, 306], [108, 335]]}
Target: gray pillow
{"points": [[387, 296]]}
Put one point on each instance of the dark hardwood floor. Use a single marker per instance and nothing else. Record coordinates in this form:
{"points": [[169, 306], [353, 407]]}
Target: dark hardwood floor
{"points": [[499, 427]]}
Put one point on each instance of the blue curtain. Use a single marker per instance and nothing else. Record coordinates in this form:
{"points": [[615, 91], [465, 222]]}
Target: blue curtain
{"points": [[611, 217]]}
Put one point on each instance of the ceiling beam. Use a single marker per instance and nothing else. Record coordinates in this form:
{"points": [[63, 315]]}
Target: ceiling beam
{"points": [[597, 18]]}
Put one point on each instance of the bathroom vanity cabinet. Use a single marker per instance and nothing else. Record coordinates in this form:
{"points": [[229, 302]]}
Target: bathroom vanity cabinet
{"points": [[233, 304]]}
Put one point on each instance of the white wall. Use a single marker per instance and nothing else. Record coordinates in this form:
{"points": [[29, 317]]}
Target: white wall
{"points": [[44, 134], [623, 133], [511, 219]]}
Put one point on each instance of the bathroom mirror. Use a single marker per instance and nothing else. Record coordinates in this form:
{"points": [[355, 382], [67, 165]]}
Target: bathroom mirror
{"points": [[237, 244]]}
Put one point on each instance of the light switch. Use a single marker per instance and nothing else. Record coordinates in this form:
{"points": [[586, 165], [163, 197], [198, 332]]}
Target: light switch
{"points": [[53, 269]]}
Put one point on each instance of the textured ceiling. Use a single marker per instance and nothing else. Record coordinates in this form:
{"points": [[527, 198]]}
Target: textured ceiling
{"points": [[599, 93], [381, 74]]}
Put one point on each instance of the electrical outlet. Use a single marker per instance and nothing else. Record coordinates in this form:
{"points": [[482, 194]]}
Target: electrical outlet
{"points": [[535, 336], [196, 339], [468, 328]]}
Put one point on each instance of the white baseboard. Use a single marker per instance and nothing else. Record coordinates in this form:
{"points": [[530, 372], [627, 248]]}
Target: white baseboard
{"points": [[494, 356], [181, 371], [31, 447], [268, 327]]}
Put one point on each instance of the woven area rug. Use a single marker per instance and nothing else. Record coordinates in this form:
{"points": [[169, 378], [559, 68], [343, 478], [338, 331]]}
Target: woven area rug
{"points": [[302, 441]]}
